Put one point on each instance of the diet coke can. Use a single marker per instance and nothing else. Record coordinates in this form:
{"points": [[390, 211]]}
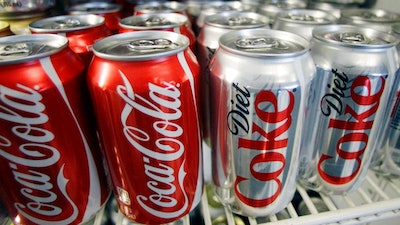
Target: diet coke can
{"points": [[356, 69], [51, 166], [81, 30], [144, 87], [160, 21], [257, 109]]}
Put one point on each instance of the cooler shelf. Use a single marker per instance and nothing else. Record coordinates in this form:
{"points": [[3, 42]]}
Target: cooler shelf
{"points": [[377, 199]]}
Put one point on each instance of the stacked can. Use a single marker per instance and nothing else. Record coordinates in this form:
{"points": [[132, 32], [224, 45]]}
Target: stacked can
{"points": [[302, 21], [47, 134], [145, 86], [82, 31], [378, 19], [207, 42], [160, 21], [111, 12], [259, 85], [356, 69]]}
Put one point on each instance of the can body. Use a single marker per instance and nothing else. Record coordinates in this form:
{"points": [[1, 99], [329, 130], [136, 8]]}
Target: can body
{"points": [[174, 22], [81, 30], [42, 154], [150, 131], [349, 99], [256, 117]]}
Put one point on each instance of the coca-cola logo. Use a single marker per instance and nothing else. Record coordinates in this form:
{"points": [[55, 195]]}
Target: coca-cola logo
{"points": [[365, 98], [164, 108], [23, 108], [271, 145]]}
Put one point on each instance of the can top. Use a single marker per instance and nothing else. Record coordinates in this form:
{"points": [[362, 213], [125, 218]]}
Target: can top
{"points": [[156, 20], [274, 7], [66, 23], [225, 6], [21, 48], [237, 20], [140, 46], [354, 36], [370, 15], [95, 8], [307, 16], [264, 43], [158, 7]]}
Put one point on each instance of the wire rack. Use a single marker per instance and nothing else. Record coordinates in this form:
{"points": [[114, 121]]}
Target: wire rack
{"points": [[377, 199]]}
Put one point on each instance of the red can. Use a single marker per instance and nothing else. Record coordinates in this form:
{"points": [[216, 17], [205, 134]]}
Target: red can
{"points": [[110, 11], [50, 162], [144, 86], [161, 21], [81, 30]]}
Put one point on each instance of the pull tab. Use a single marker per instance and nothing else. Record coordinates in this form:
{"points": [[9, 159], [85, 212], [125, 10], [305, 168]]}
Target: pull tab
{"points": [[239, 21], [151, 44], [353, 38], [257, 43], [303, 17], [15, 50], [69, 23], [154, 21]]}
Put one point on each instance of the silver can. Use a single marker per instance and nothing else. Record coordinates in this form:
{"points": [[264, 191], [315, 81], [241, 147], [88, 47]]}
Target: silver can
{"points": [[302, 21], [378, 19], [355, 71], [259, 83], [272, 8], [207, 42]]}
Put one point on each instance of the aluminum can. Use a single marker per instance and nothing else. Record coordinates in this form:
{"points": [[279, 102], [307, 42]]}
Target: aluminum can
{"points": [[207, 42], [160, 21], [355, 72], [378, 19], [333, 8], [82, 31], [302, 21], [12, 8], [257, 110], [42, 80], [272, 8], [161, 7], [144, 86], [110, 11]]}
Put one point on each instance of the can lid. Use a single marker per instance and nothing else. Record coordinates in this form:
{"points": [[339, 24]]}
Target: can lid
{"points": [[21, 48], [307, 16], [264, 43], [95, 8], [153, 21], [139, 46], [370, 15], [66, 23], [237, 20], [354, 36], [158, 7]]}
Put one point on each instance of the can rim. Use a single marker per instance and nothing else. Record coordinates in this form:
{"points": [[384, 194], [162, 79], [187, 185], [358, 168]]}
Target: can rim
{"points": [[101, 47], [92, 19], [128, 22], [326, 33], [265, 33], [58, 42], [355, 15], [99, 8], [212, 20], [172, 6]]}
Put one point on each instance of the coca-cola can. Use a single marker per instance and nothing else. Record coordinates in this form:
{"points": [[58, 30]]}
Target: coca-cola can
{"points": [[159, 21], [50, 161], [356, 69], [207, 42], [257, 109], [144, 86], [111, 12], [82, 31], [302, 21], [378, 19]]}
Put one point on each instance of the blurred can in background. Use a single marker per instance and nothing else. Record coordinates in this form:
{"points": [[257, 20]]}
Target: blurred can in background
{"points": [[259, 85], [272, 8], [356, 69]]}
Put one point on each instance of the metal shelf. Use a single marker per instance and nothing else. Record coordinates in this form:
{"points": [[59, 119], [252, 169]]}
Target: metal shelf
{"points": [[377, 199]]}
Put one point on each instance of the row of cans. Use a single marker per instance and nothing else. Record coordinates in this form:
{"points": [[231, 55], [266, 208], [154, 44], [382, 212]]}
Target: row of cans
{"points": [[145, 88]]}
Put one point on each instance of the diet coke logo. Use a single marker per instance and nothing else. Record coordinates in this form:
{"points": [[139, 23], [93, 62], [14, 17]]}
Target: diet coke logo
{"points": [[272, 144], [365, 95], [164, 107], [23, 108]]}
